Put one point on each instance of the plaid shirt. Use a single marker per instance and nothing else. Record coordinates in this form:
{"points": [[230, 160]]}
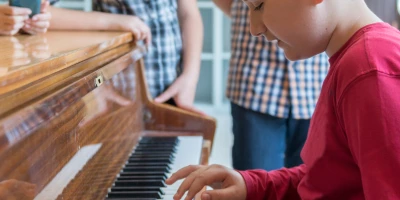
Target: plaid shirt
{"points": [[163, 59], [262, 79]]}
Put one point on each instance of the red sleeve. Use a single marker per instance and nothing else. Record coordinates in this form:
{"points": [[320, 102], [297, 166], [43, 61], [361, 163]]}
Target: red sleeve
{"points": [[370, 115], [274, 185]]}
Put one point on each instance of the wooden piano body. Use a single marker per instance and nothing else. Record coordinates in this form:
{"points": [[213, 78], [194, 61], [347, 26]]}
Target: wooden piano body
{"points": [[73, 106]]}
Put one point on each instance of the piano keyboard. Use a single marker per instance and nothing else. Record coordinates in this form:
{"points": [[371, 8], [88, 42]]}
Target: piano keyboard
{"points": [[152, 161]]}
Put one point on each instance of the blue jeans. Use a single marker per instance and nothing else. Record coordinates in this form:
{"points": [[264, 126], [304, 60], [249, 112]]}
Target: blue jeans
{"points": [[262, 141]]}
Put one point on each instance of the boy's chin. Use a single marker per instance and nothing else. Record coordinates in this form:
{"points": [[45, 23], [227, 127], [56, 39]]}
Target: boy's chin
{"points": [[293, 56]]}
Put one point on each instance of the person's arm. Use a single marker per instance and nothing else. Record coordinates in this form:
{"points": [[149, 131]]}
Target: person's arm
{"points": [[192, 37], [369, 111], [273, 185], [184, 88], [224, 5], [65, 19]]}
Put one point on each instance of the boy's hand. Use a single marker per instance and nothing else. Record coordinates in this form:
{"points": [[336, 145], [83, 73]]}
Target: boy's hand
{"points": [[183, 91], [12, 19], [40, 22], [134, 24], [228, 184]]}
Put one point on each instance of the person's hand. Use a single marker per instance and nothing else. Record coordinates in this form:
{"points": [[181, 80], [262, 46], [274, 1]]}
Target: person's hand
{"points": [[17, 190], [183, 91], [12, 19], [227, 183], [40, 22], [133, 24]]}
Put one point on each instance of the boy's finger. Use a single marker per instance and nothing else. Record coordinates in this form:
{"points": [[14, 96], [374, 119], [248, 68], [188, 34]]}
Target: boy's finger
{"points": [[209, 176], [182, 173], [187, 183]]}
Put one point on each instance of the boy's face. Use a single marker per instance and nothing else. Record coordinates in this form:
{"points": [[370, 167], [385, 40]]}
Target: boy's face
{"points": [[300, 26]]}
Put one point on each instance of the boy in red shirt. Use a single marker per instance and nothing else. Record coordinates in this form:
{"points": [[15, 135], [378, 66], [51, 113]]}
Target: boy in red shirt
{"points": [[353, 147]]}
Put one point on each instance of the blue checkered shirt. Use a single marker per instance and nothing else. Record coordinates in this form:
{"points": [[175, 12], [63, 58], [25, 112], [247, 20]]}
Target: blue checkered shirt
{"points": [[262, 79], [163, 59]]}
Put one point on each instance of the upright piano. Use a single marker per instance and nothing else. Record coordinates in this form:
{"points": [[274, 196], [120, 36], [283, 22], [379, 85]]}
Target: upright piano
{"points": [[77, 121]]}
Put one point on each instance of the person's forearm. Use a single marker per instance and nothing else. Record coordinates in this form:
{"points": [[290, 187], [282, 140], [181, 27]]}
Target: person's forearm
{"points": [[192, 36], [274, 185], [65, 19], [224, 5]]}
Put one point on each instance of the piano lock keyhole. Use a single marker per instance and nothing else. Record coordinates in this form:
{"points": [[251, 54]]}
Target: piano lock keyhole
{"points": [[147, 117], [98, 81]]}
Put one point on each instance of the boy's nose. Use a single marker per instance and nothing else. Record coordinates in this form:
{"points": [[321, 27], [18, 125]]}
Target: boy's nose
{"points": [[257, 29]]}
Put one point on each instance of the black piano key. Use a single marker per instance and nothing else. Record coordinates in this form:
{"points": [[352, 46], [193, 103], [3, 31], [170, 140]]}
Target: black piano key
{"points": [[159, 138], [146, 169], [158, 142], [148, 164], [153, 153], [148, 140], [166, 151], [155, 160], [138, 189], [142, 174], [152, 156], [164, 146], [167, 166], [155, 150], [141, 183], [135, 194], [161, 178]]}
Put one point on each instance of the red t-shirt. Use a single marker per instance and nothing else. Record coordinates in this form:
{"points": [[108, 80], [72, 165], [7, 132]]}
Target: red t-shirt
{"points": [[353, 146]]}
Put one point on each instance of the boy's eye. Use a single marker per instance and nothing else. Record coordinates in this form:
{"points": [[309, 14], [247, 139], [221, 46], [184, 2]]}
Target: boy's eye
{"points": [[259, 7]]}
